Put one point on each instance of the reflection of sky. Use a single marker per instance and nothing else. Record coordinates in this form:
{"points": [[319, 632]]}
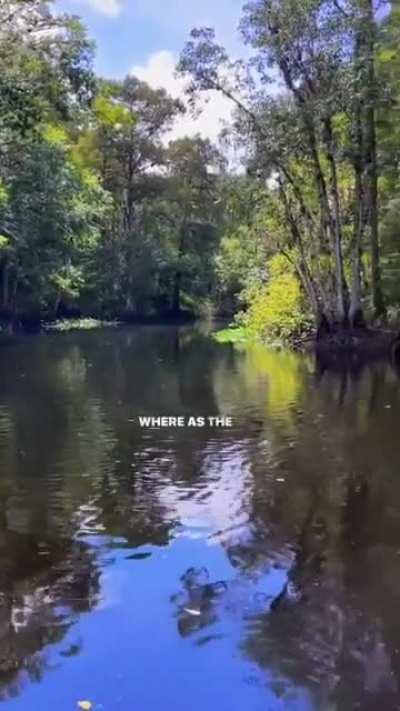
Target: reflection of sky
{"points": [[220, 501], [140, 647], [131, 648], [133, 656]]}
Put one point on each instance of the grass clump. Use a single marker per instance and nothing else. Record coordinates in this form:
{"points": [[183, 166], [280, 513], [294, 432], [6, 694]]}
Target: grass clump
{"points": [[78, 324]]}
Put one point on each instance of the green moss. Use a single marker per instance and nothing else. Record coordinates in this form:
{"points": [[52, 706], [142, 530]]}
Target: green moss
{"points": [[233, 334]]}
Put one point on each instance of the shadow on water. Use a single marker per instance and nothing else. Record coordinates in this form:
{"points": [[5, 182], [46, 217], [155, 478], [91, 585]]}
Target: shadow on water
{"points": [[252, 567]]}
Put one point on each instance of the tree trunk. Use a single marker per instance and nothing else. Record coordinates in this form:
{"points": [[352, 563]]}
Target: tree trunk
{"points": [[330, 228], [300, 265], [355, 312], [318, 294], [342, 289], [4, 281], [176, 293], [129, 199], [176, 296], [368, 22], [57, 304]]}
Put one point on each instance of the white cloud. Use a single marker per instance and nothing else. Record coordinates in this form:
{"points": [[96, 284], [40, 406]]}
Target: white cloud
{"points": [[110, 8], [159, 71]]}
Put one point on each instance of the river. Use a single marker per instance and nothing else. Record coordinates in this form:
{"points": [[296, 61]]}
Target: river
{"points": [[250, 567]]}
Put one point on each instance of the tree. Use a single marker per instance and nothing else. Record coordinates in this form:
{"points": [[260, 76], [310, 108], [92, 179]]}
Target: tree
{"points": [[46, 69], [52, 218], [194, 166], [124, 145], [314, 142], [388, 140], [48, 207], [97, 209]]}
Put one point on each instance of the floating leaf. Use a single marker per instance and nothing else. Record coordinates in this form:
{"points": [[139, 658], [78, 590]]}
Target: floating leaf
{"points": [[85, 705], [191, 611]]}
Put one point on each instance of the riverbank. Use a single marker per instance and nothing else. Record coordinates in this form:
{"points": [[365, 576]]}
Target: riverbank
{"points": [[29, 325], [367, 342], [338, 345], [57, 326], [81, 324]]}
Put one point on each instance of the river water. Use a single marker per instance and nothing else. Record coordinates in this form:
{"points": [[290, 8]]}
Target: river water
{"points": [[246, 568]]}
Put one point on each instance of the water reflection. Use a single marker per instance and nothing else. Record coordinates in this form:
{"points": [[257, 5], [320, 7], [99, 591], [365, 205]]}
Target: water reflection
{"points": [[44, 587], [254, 567]]}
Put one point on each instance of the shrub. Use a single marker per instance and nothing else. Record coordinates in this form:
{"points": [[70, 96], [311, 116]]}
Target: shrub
{"points": [[276, 311]]}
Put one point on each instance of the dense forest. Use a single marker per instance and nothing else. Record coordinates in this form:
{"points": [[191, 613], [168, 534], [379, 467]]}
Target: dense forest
{"points": [[100, 215]]}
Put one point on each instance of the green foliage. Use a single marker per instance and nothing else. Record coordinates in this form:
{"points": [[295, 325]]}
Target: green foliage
{"points": [[54, 215], [275, 312], [245, 244], [313, 145], [68, 281], [241, 261], [111, 114], [232, 335], [99, 213]]}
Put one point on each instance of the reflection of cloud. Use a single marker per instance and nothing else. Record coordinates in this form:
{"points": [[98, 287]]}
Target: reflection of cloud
{"points": [[216, 511], [159, 71]]}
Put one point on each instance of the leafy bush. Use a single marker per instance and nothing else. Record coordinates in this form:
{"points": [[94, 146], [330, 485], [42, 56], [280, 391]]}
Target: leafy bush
{"points": [[276, 311], [231, 335]]}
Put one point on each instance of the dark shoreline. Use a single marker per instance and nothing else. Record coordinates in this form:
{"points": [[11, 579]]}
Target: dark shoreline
{"points": [[371, 342], [42, 325], [340, 346], [350, 350]]}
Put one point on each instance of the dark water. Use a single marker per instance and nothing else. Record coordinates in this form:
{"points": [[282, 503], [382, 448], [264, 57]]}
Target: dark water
{"points": [[236, 569]]}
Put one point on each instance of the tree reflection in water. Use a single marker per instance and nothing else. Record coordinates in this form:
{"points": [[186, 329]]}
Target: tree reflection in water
{"points": [[329, 526], [43, 588], [300, 499]]}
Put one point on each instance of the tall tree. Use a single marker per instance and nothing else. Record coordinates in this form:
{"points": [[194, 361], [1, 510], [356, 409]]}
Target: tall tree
{"points": [[125, 145], [367, 27], [194, 166], [46, 82], [314, 138]]}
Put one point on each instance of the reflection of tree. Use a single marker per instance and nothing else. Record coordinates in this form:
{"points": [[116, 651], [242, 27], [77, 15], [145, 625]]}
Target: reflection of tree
{"points": [[196, 603], [302, 493], [331, 627], [264, 381], [321, 509], [44, 586], [74, 464]]}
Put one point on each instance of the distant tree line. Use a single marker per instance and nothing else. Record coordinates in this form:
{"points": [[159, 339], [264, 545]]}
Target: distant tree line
{"points": [[100, 215]]}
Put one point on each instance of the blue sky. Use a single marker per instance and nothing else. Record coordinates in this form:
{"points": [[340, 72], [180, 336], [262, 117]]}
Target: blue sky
{"points": [[145, 37], [128, 32]]}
